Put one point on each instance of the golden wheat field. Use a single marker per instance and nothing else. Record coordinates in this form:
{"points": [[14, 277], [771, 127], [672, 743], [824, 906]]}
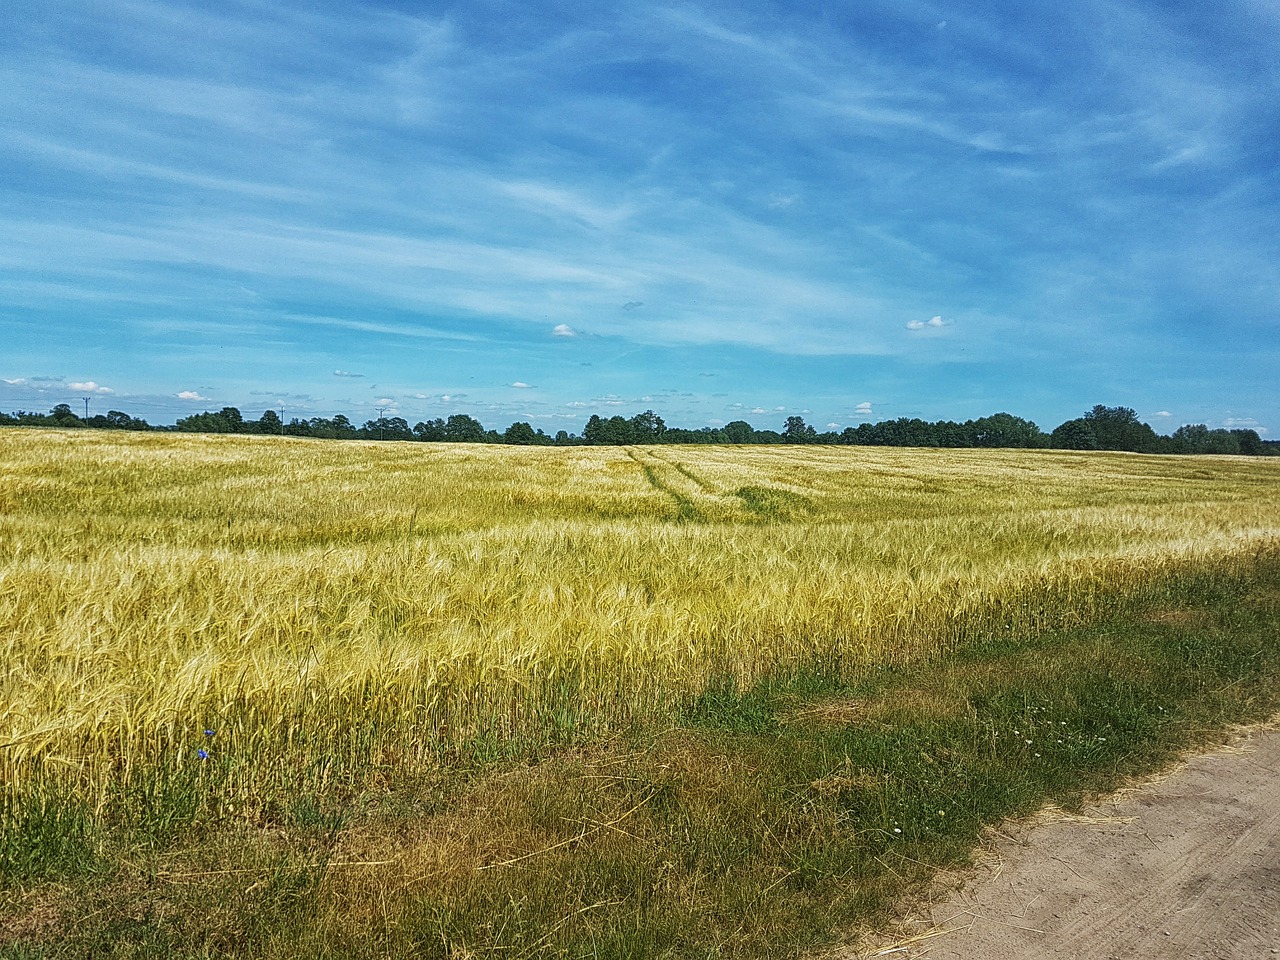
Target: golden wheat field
{"points": [[382, 603]]}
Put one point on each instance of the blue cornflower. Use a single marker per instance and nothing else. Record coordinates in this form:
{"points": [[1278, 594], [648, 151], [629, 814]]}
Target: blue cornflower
{"points": [[202, 754], [208, 733]]}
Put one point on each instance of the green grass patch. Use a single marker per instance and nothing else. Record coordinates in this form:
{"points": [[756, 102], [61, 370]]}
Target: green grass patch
{"points": [[770, 503]]}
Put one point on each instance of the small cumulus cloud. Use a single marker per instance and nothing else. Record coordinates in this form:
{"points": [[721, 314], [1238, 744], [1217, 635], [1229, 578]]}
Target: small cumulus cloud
{"points": [[88, 386], [191, 395], [779, 409], [1240, 423], [577, 404], [863, 409], [931, 323], [833, 426], [16, 382], [348, 373], [383, 402], [1162, 414], [521, 385], [421, 396], [759, 410], [563, 330], [633, 305]]}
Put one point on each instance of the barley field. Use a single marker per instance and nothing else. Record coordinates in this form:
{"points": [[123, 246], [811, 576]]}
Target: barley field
{"points": [[298, 612]]}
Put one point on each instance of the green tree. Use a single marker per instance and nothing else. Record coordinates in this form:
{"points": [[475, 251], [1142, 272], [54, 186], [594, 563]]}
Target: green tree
{"points": [[1197, 438], [269, 422], [387, 428], [614, 431], [797, 431], [63, 416], [1003, 430], [226, 420], [430, 431], [739, 431], [119, 420], [1251, 445], [1118, 428], [647, 427], [232, 418], [461, 428], [1075, 434], [520, 433], [619, 431]]}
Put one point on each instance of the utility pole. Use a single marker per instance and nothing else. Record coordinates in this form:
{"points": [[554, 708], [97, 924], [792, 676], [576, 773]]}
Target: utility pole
{"points": [[86, 406], [282, 419], [380, 424]]}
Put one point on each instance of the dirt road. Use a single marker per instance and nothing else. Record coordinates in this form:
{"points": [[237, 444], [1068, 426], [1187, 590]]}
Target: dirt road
{"points": [[1186, 866]]}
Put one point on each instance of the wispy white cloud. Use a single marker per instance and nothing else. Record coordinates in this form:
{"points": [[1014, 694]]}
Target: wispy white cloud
{"points": [[932, 323], [89, 386], [368, 326], [521, 385], [565, 204], [405, 190], [190, 395], [102, 165], [348, 373]]}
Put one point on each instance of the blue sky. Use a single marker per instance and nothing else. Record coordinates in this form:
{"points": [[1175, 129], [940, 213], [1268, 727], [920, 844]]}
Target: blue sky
{"points": [[718, 211]]}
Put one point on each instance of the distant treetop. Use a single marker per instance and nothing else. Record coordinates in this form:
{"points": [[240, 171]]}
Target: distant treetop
{"points": [[1101, 428]]}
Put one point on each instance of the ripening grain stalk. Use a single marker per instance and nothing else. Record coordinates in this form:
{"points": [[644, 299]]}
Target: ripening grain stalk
{"points": [[329, 608]]}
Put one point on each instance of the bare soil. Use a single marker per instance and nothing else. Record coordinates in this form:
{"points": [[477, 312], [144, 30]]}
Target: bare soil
{"points": [[1186, 866]]}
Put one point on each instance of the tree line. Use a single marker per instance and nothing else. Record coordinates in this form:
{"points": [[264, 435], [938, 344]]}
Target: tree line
{"points": [[1102, 428]]}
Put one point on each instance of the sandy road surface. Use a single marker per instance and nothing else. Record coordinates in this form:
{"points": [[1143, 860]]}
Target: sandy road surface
{"points": [[1186, 866]]}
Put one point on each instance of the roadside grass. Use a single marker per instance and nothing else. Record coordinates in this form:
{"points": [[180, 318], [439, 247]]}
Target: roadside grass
{"points": [[768, 821]]}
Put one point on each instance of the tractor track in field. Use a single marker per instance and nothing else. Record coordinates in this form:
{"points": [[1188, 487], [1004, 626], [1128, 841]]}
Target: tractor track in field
{"points": [[654, 467]]}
